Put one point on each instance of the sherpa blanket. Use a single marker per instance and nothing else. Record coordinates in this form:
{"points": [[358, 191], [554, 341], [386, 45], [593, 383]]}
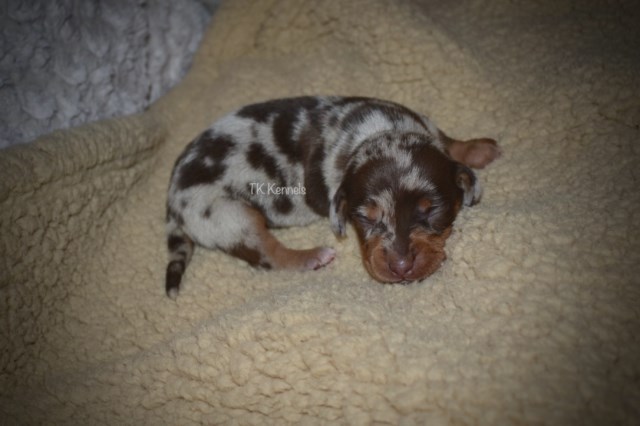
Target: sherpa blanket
{"points": [[533, 319]]}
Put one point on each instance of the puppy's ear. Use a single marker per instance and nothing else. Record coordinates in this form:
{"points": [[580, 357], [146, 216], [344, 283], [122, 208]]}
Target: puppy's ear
{"points": [[338, 213], [467, 181]]}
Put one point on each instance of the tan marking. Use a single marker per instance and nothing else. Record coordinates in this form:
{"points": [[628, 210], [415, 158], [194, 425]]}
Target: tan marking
{"points": [[272, 252], [428, 250]]}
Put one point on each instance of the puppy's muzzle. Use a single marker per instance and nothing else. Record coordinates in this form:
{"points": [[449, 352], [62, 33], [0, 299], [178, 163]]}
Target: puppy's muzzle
{"points": [[424, 257]]}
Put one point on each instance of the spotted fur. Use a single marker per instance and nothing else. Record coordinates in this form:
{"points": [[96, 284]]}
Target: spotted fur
{"points": [[345, 154]]}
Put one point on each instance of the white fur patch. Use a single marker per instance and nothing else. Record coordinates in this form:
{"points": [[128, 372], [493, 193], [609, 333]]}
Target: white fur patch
{"points": [[376, 122], [413, 180], [474, 194]]}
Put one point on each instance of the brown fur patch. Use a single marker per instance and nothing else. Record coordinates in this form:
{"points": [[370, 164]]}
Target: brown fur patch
{"points": [[317, 193], [199, 172], [250, 255], [260, 159]]}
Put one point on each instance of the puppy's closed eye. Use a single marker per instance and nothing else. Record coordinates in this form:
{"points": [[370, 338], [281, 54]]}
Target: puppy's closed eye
{"points": [[369, 213], [423, 205], [371, 219], [423, 211], [430, 216]]}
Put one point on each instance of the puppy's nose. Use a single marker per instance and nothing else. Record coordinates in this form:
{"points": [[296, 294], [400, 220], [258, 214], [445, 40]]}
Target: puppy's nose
{"points": [[400, 266]]}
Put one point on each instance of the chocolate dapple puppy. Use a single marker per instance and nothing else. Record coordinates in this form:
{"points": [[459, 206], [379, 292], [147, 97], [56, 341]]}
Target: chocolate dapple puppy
{"points": [[288, 162]]}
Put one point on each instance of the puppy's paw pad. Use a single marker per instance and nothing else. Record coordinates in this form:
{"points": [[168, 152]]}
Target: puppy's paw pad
{"points": [[322, 257]]}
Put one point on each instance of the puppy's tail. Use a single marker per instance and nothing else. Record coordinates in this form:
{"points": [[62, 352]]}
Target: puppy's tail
{"points": [[180, 251]]}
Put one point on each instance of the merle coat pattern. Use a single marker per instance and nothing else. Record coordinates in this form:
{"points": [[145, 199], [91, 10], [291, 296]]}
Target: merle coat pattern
{"points": [[288, 162]]}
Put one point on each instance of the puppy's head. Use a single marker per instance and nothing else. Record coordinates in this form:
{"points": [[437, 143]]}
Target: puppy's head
{"points": [[402, 196]]}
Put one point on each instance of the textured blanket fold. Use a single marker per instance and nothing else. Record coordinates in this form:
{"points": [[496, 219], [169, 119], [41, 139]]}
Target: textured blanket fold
{"points": [[532, 319]]}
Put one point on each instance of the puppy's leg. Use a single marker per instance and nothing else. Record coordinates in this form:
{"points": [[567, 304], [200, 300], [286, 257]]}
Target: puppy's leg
{"points": [[255, 244], [475, 153]]}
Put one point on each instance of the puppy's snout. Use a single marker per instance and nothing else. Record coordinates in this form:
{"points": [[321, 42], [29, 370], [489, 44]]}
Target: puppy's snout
{"points": [[401, 266]]}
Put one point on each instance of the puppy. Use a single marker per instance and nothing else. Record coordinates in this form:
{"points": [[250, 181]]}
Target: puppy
{"points": [[379, 165]]}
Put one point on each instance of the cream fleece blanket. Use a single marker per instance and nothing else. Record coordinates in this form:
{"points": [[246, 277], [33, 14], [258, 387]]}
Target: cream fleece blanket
{"points": [[533, 319]]}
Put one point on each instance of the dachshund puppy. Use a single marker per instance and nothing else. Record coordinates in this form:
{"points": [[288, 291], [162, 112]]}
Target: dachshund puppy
{"points": [[379, 165]]}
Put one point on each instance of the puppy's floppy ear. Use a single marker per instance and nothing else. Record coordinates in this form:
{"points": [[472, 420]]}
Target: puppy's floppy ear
{"points": [[467, 181], [338, 213]]}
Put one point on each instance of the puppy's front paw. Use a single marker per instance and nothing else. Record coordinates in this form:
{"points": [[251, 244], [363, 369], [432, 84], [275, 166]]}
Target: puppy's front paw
{"points": [[319, 257]]}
